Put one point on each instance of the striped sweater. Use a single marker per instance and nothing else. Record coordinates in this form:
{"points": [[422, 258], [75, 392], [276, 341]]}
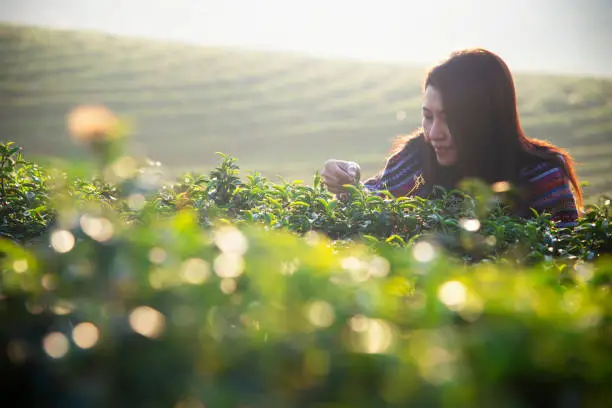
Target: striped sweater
{"points": [[547, 186]]}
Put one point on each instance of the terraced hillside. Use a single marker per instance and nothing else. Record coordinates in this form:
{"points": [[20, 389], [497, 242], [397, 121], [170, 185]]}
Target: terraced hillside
{"points": [[280, 114]]}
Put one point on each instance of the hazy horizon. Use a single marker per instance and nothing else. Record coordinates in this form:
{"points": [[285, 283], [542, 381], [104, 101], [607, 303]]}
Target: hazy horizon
{"points": [[540, 35]]}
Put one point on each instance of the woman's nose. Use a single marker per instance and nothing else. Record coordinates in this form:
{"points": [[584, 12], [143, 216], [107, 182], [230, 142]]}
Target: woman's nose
{"points": [[436, 133]]}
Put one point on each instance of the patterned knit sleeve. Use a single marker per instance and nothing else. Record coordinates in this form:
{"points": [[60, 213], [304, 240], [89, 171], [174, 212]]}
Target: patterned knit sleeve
{"points": [[402, 174], [551, 193]]}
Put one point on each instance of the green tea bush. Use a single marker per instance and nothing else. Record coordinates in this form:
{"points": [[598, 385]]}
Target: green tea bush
{"points": [[120, 288], [23, 195]]}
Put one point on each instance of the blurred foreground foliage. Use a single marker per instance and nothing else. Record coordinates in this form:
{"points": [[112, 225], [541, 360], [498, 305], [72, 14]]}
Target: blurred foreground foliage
{"points": [[120, 287]]}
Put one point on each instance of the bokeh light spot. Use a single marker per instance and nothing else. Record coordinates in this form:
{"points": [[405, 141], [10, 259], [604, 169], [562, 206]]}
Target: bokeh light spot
{"points": [[501, 187], [189, 403], [56, 345], [20, 265], [157, 255], [62, 307], [453, 294], [136, 202], [377, 337], [99, 229], [423, 252], [87, 123], [379, 267], [17, 351], [147, 321], [359, 323], [228, 265], [49, 281], [195, 271], [228, 286], [62, 241], [470, 224], [124, 167], [85, 335], [320, 314], [230, 241]]}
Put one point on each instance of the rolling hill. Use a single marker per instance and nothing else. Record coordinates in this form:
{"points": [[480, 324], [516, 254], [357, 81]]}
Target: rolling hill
{"points": [[278, 113]]}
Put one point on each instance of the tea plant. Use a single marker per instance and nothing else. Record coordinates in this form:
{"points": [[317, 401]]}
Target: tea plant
{"points": [[23, 195], [124, 289]]}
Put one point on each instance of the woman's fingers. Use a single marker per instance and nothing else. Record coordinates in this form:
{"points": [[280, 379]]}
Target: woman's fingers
{"points": [[337, 173], [334, 187], [333, 173], [334, 170], [354, 171], [329, 179]]}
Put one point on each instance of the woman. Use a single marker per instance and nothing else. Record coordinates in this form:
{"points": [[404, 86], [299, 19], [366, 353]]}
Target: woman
{"points": [[471, 129]]}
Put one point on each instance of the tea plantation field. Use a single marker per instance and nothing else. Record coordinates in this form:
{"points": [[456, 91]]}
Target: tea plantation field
{"points": [[119, 288], [192, 283], [278, 113]]}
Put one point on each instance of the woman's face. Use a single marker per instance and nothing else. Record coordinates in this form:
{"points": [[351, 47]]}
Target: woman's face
{"points": [[436, 129]]}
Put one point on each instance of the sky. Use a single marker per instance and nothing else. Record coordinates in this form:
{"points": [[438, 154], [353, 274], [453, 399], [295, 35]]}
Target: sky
{"points": [[567, 36]]}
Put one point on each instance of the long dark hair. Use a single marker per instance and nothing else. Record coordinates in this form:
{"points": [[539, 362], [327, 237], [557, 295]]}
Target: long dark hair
{"points": [[479, 99]]}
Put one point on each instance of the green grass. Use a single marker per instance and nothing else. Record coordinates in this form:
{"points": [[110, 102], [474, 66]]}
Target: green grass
{"points": [[278, 113]]}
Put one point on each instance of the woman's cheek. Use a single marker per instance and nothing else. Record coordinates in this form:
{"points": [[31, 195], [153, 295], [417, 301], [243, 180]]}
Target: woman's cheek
{"points": [[426, 129]]}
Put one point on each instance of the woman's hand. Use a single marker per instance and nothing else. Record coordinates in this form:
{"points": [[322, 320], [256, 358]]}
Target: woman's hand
{"points": [[336, 173]]}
